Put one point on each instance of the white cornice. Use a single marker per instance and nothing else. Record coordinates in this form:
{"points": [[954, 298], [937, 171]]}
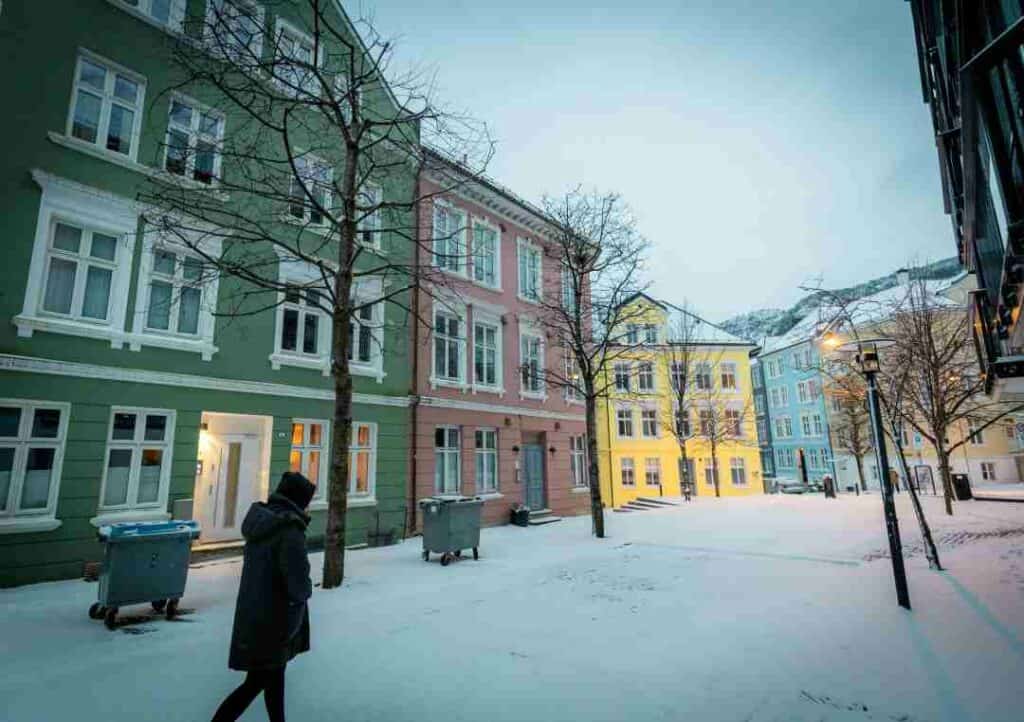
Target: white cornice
{"points": [[28, 364], [436, 402]]}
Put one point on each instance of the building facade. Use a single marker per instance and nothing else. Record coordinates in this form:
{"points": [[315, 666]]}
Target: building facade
{"points": [[762, 419], [639, 452], [971, 64], [487, 420], [123, 391]]}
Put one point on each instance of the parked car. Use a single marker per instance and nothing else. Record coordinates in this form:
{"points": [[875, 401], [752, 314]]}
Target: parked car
{"points": [[791, 486]]}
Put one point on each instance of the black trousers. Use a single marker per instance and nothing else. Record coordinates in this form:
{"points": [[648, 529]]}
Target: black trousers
{"points": [[268, 681]]}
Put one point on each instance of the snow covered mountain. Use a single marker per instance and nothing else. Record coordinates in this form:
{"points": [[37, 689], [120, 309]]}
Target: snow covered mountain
{"points": [[762, 322]]}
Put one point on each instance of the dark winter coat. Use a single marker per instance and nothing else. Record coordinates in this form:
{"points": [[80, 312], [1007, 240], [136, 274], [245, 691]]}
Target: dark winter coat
{"points": [[271, 619]]}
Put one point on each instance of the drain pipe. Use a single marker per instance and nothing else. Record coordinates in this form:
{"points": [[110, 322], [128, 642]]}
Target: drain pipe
{"points": [[611, 471], [414, 397]]}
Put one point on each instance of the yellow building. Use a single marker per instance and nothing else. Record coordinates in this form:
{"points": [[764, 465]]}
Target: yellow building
{"points": [[640, 427]]}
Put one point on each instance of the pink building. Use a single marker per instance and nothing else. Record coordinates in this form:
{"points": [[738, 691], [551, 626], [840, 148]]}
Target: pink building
{"points": [[487, 422]]}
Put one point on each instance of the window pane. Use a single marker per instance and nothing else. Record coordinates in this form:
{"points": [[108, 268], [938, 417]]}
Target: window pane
{"points": [[60, 286], [10, 419], [45, 423], [156, 427], [205, 153], [309, 337], [290, 330], [163, 262], [67, 238], [313, 467], [191, 269], [149, 476], [188, 310], [298, 434], [85, 125], [103, 246], [181, 114], [363, 435], [118, 467], [92, 74], [124, 427], [6, 469], [315, 434], [159, 316], [361, 472], [38, 471], [119, 132], [209, 124], [365, 343], [177, 152], [125, 89], [438, 438], [161, 10], [295, 461], [97, 292]]}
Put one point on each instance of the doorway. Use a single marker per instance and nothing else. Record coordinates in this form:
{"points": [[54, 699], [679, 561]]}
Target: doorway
{"points": [[533, 475]]}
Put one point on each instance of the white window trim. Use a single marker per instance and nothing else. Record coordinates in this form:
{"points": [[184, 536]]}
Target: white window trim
{"points": [[137, 113], [735, 372], [533, 332], [370, 497], [371, 222], [476, 461], [742, 466], [657, 423], [36, 520], [526, 243], [448, 449], [80, 205], [462, 258], [198, 109], [455, 308], [629, 377], [647, 469], [487, 319], [489, 224], [302, 275], [150, 510], [202, 343], [654, 377], [632, 422], [325, 226], [212, 6], [282, 27], [632, 468], [580, 453], [175, 26]]}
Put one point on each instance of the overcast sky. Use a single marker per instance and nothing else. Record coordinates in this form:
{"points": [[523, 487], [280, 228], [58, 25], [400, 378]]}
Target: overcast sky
{"points": [[761, 144]]}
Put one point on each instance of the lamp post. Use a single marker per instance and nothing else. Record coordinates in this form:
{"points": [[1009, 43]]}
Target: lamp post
{"points": [[867, 358]]}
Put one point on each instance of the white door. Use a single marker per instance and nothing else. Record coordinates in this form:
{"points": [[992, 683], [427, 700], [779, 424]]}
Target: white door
{"points": [[226, 485]]}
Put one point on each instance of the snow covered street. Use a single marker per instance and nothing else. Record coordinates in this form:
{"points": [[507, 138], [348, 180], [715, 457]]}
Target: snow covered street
{"points": [[757, 609]]}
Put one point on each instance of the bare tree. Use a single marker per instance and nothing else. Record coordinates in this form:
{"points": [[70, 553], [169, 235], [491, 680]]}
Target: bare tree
{"points": [[596, 244], [681, 356], [293, 173], [851, 426]]}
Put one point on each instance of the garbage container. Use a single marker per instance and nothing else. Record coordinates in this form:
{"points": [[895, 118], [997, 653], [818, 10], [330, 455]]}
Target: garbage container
{"points": [[143, 562], [961, 487], [451, 524]]}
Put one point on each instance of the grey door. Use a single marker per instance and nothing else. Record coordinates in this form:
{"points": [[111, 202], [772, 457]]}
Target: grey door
{"points": [[533, 475]]}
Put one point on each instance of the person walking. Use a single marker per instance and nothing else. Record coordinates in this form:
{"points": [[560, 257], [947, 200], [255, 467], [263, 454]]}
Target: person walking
{"points": [[271, 618]]}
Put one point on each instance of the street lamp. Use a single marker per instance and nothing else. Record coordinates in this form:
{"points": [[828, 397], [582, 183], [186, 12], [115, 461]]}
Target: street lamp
{"points": [[866, 351]]}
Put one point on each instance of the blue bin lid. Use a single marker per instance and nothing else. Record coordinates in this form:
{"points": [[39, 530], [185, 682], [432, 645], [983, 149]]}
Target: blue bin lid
{"points": [[134, 529]]}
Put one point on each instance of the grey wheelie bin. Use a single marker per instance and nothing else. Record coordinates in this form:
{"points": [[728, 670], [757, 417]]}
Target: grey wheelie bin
{"points": [[451, 524], [143, 562]]}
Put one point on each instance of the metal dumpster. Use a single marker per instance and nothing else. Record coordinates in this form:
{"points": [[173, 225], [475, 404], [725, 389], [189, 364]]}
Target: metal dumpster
{"points": [[143, 562], [451, 524]]}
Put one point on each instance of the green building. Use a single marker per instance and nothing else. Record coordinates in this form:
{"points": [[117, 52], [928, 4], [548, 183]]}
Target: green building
{"points": [[124, 393]]}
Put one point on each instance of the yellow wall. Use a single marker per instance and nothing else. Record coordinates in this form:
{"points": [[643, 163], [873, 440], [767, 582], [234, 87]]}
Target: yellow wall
{"points": [[665, 447]]}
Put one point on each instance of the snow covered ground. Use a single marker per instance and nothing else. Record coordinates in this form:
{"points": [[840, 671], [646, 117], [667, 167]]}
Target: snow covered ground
{"points": [[752, 609]]}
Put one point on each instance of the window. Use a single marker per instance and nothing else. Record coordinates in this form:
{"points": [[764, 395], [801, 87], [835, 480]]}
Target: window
{"points": [[683, 428], [529, 271], [303, 325], [449, 346], [175, 292], [819, 427], [649, 423], [733, 423], [294, 61], [235, 29], [774, 397], [32, 437], [570, 295], [165, 12], [988, 471], [624, 420], [738, 471], [447, 466], [977, 435], [574, 388], [652, 471], [531, 355], [194, 137], [449, 238], [758, 404], [627, 472], [1010, 430], [650, 333], [364, 330], [632, 334], [486, 354], [805, 425], [801, 392], [702, 377], [762, 430], [486, 461], [807, 358], [578, 461], [106, 106], [813, 390], [371, 196], [710, 472], [678, 372], [837, 404], [621, 370], [311, 191], [308, 455], [727, 372], [485, 254], [361, 461], [138, 459], [707, 422], [645, 377], [783, 396], [783, 427], [80, 266]]}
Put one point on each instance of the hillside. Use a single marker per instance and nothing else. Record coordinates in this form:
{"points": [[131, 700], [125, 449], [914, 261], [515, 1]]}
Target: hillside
{"points": [[755, 325]]}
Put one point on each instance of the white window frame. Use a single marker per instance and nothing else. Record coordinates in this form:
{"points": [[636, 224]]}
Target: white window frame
{"points": [[646, 377], [486, 224], [12, 518], [578, 472], [805, 425], [728, 370], [988, 471], [818, 425], [738, 467], [133, 510], [445, 451], [107, 100], [214, 8], [622, 370], [570, 299], [310, 186], [458, 312], [704, 376], [650, 334], [733, 419], [485, 320], [526, 335], [371, 195], [195, 135], [369, 497], [783, 396], [484, 485], [85, 207], [647, 423], [624, 415], [802, 394], [531, 250], [309, 85], [320, 496], [631, 469], [452, 257], [319, 359], [975, 434], [676, 372], [655, 468], [573, 383]]}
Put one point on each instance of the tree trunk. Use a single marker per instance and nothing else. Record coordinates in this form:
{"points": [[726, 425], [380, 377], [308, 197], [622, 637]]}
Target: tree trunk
{"points": [[596, 504], [931, 552], [945, 475], [714, 468], [860, 473], [337, 490], [684, 468]]}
